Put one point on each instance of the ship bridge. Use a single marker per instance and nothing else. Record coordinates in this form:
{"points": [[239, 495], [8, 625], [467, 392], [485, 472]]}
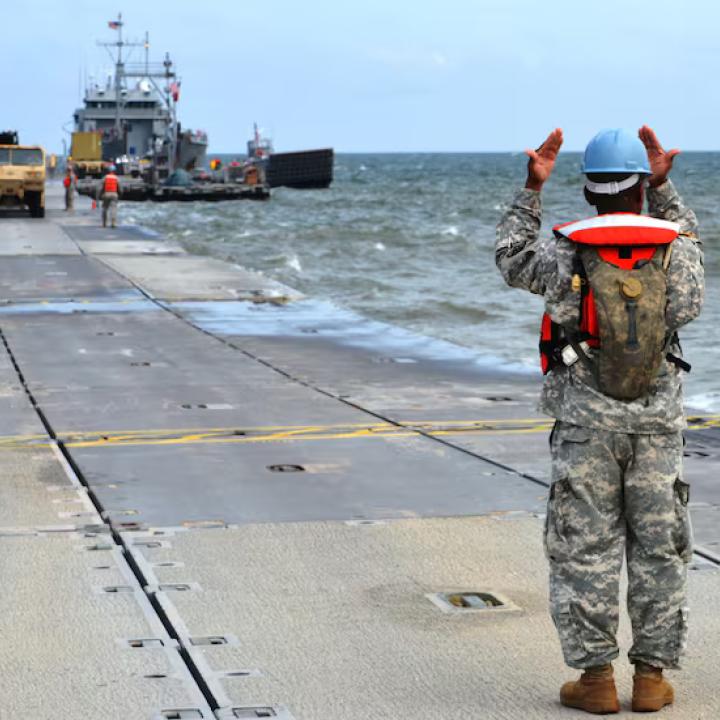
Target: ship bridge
{"points": [[144, 115]]}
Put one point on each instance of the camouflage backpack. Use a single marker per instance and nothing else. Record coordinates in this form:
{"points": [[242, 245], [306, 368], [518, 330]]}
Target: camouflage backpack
{"points": [[619, 287]]}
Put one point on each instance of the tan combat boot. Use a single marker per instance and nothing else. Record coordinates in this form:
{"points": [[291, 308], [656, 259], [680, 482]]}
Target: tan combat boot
{"points": [[651, 691], [594, 692]]}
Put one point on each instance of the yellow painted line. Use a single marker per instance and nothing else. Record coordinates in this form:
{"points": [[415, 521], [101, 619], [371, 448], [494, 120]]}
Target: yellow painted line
{"points": [[234, 428], [21, 438], [264, 434], [289, 433], [278, 428], [309, 432], [701, 422], [211, 440]]}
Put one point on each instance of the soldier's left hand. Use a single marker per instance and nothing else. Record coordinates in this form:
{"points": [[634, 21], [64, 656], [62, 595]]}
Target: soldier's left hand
{"points": [[661, 161]]}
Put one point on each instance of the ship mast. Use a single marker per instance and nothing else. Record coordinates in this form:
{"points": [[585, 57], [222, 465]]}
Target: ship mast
{"points": [[119, 69]]}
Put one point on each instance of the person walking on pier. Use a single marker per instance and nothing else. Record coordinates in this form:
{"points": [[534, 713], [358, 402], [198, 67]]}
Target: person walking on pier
{"points": [[109, 197], [617, 287], [69, 183]]}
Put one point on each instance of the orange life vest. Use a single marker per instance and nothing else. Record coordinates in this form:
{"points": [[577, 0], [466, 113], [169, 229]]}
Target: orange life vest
{"points": [[111, 183], [621, 239]]}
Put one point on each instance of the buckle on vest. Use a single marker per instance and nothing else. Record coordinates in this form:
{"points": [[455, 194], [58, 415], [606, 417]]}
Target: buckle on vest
{"points": [[569, 356]]}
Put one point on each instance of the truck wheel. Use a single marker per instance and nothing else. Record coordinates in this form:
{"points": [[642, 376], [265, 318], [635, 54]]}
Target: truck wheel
{"points": [[33, 202]]}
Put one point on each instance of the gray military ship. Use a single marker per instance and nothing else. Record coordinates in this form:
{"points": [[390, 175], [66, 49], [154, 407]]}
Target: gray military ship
{"points": [[130, 119]]}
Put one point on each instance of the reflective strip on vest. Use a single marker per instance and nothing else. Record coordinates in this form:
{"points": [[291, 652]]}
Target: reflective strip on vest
{"points": [[111, 184], [619, 229]]}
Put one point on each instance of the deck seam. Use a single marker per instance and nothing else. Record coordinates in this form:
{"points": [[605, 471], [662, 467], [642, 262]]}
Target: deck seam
{"points": [[159, 616]]}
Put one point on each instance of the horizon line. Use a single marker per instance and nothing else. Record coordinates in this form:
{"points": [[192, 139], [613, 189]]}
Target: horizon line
{"points": [[434, 152]]}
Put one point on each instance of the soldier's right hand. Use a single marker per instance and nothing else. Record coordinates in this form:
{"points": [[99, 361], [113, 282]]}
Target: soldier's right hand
{"points": [[661, 160], [542, 160]]}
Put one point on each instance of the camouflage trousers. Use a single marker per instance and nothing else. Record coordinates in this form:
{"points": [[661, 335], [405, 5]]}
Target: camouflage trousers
{"points": [[613, 496], [109, 208]]}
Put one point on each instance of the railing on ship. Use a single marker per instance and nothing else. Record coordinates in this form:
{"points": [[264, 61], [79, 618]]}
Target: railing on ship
{"points": [[153, 69]]}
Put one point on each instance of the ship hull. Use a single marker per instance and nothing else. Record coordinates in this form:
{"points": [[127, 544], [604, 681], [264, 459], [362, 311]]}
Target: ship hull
{"points": [[191, 153]]}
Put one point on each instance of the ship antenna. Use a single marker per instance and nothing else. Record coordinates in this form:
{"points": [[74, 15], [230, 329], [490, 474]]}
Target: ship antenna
{"points": [[118, 74], [147, 53]]}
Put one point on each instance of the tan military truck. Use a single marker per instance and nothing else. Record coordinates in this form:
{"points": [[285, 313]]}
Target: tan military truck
{"points": [[86, 154], [22, 175]]}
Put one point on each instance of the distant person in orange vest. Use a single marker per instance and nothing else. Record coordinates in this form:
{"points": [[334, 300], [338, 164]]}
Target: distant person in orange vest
{"points": [[109, 196], [251, 175], [69, 183]]}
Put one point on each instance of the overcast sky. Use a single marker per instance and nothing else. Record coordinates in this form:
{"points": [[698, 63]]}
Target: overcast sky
{"points": [[385, 75]]}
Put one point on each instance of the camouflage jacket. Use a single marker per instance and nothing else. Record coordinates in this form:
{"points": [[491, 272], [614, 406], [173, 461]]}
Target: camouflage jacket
{"points": [[528, 261]]}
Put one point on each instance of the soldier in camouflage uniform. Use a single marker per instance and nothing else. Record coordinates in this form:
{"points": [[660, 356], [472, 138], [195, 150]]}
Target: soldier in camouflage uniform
{"points": [[617, 486]]}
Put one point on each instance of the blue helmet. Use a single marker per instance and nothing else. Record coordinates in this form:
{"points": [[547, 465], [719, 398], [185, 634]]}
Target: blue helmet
{"points": [[616, 151]]}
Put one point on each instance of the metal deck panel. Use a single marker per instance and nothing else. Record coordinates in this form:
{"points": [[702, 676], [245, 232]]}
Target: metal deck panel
{"points": [[97, 377], [61, 653], [34, 237], [37, 493], [192, 277], [402, 387], [387, 370], [129, 247], [91, 410], [525, 452], [342, 480], [17, 416], [87, 227], [322, 321], [706, 525], [336, 620], [60, 277]]}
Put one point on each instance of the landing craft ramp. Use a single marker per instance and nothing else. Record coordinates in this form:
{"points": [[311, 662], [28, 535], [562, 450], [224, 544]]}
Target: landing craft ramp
{"points": [[223, 500]]}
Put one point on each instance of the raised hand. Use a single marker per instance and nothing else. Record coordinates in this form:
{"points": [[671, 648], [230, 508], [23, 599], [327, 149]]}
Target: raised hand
{"points": [[661, 161], [542, 160]]}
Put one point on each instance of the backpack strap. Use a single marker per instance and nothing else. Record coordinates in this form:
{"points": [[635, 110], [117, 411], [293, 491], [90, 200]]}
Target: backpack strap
{"points": [[574, 337], [666, 257], [673, 338]]}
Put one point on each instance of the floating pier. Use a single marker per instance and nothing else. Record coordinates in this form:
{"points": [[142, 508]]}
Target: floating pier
{"points": [[221, 499], [138, 190]]}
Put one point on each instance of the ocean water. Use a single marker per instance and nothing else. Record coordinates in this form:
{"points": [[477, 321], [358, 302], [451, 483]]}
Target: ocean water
{"points": [[408, 239]]}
